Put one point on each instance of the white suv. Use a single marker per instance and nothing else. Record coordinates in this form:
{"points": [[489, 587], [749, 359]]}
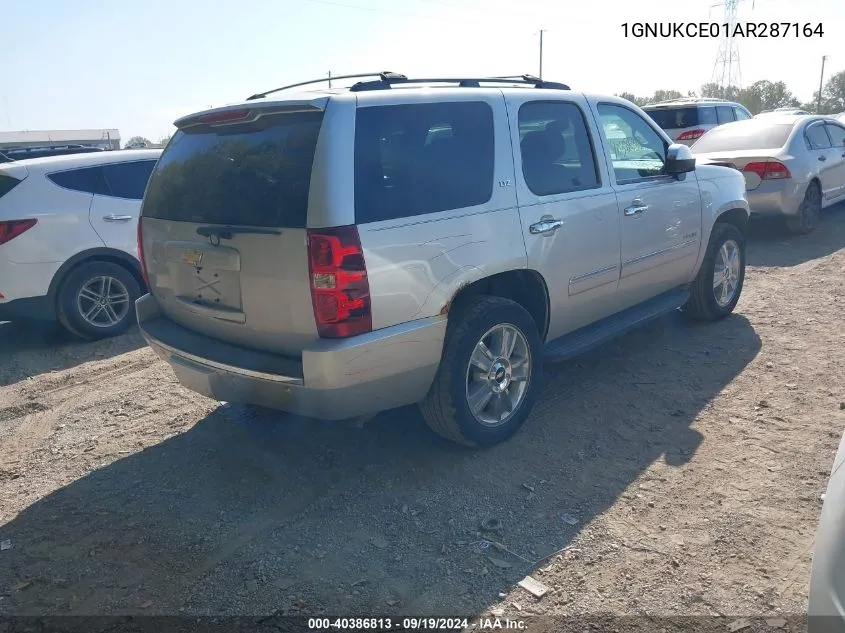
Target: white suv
{"points": [[688, 119], [68, 247], [342, 252]]}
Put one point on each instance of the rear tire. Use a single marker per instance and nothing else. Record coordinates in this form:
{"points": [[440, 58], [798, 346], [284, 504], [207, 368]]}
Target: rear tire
{"points": [[808, 212], [492, 357], [97, 300], [718, 285]]}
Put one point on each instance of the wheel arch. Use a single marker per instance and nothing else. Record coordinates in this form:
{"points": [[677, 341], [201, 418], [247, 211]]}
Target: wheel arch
{"points": [[526, 286], [111, 255], [736, 216]]}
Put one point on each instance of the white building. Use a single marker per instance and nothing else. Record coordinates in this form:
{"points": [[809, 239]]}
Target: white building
{"points": [[106, 138]]}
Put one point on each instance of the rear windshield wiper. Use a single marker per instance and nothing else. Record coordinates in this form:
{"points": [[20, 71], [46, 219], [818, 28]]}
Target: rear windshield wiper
{"points": [[227, 232]]}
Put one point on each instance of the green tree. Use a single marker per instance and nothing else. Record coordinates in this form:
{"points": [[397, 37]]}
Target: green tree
{"points": [[833, 95], [665, 95], [640, 101], [715, 91], [136, 142], [767, 95]]}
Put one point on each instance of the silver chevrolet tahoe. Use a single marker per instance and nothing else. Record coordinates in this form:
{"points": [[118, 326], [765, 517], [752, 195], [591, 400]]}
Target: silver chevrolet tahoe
{"points": [[340, 252]]}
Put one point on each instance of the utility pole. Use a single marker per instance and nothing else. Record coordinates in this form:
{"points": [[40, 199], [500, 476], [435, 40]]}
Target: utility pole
{"points": [[330, 80], [541, 53], [821, 84]]}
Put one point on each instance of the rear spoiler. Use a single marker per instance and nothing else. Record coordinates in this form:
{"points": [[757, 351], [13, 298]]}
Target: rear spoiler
{"points": [[248, 112], [14, 169]]}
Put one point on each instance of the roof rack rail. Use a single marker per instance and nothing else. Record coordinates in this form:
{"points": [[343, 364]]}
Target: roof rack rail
{"points": [[46, 148], [384, 75], [387, 79], [690, 100], [383, 83]]}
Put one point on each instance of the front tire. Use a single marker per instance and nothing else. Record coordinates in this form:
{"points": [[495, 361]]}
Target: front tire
{"points": [[489, 373], [808, 212], [718, 285], [97, 300]]}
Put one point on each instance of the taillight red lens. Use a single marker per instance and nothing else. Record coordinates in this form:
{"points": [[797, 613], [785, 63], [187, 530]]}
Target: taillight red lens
{"points": [[768, 170], [340, 290], [691, 135], [10, 229], [141, 258]]}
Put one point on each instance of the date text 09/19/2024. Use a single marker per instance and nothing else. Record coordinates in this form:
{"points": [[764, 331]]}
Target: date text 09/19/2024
{"points": [[414, 624], [722, 29]]}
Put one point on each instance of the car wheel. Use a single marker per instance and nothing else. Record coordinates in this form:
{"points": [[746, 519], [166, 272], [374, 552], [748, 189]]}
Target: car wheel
{"points": [[97, 300], [716, 289], [808, 212], [489, 373]]}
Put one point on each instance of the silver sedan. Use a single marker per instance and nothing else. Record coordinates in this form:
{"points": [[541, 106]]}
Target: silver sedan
{"points": [[794, 166]]}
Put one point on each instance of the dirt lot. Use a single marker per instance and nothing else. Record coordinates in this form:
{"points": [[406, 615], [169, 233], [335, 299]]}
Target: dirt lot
{"points": [[675, 471]]}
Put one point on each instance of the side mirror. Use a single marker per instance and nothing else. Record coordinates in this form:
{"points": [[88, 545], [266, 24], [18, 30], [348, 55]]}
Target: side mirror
{"points": [[679, 160]]}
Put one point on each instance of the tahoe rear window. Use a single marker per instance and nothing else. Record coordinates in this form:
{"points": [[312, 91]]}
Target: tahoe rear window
{"points": [[422, 158], [674, 118], [749, 134], [248, 174]]}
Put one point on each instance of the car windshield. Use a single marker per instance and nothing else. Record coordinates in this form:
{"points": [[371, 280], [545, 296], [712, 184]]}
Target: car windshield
{"points": [[744, 135]]}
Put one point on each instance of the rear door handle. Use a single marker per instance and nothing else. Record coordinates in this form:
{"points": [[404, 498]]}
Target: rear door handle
{"points": [[544, 227], [637, 208], [117, 218], [822, 158]]}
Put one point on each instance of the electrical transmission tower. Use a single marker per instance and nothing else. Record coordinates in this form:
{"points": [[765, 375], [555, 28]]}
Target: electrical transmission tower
{"points": [[726, 73]]}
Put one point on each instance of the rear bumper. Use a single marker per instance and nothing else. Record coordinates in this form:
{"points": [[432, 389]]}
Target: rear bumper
{"points": [[776, 198], [334, 379]]}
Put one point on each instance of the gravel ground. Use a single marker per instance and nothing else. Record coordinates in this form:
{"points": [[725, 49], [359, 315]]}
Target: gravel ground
{"points": [[675, 471]]}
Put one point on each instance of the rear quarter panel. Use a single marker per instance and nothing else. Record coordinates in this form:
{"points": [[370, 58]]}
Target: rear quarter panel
{"points": [[29, 262], [63, 228], [417, 264]]}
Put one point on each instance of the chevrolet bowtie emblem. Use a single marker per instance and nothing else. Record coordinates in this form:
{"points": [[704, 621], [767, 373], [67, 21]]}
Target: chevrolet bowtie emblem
{"points": [[194, 258]]}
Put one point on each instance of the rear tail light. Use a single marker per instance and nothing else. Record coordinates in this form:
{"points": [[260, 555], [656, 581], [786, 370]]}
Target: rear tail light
{"points": [[141, 259], [10, 229], [340, 290], [691, 135], [768, 170]]}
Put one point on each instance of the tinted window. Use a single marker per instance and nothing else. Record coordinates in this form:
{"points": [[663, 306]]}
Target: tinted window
{"points": [[741, 115], [636, 150], [249, 174], [128, 180], [674, 118], [707, 116], [751, 134], [816, 137], [837, 134], [422, 158], [87, 180], [556, 150], [725, 114]]}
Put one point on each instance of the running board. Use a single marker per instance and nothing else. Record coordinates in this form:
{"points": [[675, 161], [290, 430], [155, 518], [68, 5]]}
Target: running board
{"points": [[579, 341]]}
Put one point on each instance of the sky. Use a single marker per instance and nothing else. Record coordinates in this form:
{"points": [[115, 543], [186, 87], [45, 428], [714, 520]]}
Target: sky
{"points": [[137, 65]]}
